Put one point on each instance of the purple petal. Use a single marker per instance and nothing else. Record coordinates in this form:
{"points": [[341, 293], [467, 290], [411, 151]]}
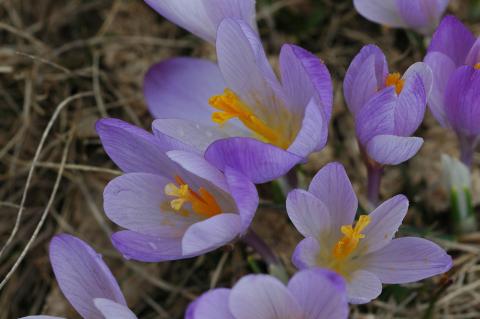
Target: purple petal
{"points": [[380, 11], [474, 55], [133, 149], [82, 275], [320, 293], [442, 68], [422, 15], [211, 305], [113, 310], [305, 254], [245, 196], [309, 214], [408, 259], [384, 223], [181, 87], [363, 287], [147, 248], [332, 186], [211, 234], [262, 296], [393, 150], [453, 39], [259, 161], [365, 76]]}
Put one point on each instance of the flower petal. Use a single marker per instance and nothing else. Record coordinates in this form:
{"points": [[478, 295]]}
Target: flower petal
{"points": [[363, 287], [380, 11], [211, 234], [393, 150], [211, 305], [422, 15], [82, 275], [408, 259], [259, 161], [474, 55], [113, 310], [332, 186], [306, 252], [262, 296], [320, 293]]}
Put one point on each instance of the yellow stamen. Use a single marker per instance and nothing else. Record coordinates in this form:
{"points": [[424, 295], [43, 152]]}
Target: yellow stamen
{"points": [[477, 66], [203, 203], [395, 79], [349, 242], [231, 106]]}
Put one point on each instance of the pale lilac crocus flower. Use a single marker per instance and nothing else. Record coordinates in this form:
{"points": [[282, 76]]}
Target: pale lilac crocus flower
{"points": [[454, 57], [310, 294], [388, 108], [364, 252], [86, 281], [172, 203], [238, 113], [202, 17], [421, 15]]}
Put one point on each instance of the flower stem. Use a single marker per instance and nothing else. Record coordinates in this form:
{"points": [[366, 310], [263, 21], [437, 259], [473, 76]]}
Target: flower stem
{"points": [[467, 149], [374, 177]]}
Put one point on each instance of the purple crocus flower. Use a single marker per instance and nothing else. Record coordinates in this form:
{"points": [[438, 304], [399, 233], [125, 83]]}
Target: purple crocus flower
{"points": [[420, 15], [173, 203], [310, 294], [239, 112], [202, 17], [86, 281], [363, 252], [388, 108], [454, 57]]}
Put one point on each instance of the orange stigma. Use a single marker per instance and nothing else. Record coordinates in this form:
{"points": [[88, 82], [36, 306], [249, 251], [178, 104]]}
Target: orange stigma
{"points": [[349, 242], [395, 79], [477, 66]]}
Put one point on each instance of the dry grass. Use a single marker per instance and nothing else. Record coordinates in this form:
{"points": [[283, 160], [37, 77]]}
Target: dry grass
{"points": [[64, 64]]}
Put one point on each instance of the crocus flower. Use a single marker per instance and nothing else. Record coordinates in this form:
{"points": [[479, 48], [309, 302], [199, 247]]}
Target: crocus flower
{"points": [[310, 294], [238, 112], [388, 108], [454, 57], [86, 281], [202, 17], [173, 203], [420, 15], [364, 252]]}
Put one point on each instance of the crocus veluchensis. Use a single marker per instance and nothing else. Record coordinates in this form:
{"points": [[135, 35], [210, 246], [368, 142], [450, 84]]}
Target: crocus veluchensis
{"points": [[310, 294], [238, 112], [173, 203], [420, 15], [363, 252], [454, 57], [86, 281]]}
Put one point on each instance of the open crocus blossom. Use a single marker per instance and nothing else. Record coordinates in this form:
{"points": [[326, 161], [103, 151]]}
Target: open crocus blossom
{"points": [[364, 252], [454, 57], [202, 17], [420, 15], [86, 281], [310, 294], [173, 203], [238, 113]]}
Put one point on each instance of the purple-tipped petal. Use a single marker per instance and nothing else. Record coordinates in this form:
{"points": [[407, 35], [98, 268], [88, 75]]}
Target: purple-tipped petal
{"points": [[380, 11], [262, 296], [306, 252], [320, 293], [453, 39], [363, 287], [147, 248], [332, 186], [408, 259], [181, 87], [133, 149], [309, 214], [442, 68], [259, 161], [384, 223], [211, 305], [474, 55], [113, 310], [82, 275], [211, 234], [393, 150], [422, 15], [365, 76]]}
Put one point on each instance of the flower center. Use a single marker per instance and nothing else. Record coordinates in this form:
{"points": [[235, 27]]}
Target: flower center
{"points": [[395, 79], [203, 203], [477, 66], [349, 242], [231, 106]]}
